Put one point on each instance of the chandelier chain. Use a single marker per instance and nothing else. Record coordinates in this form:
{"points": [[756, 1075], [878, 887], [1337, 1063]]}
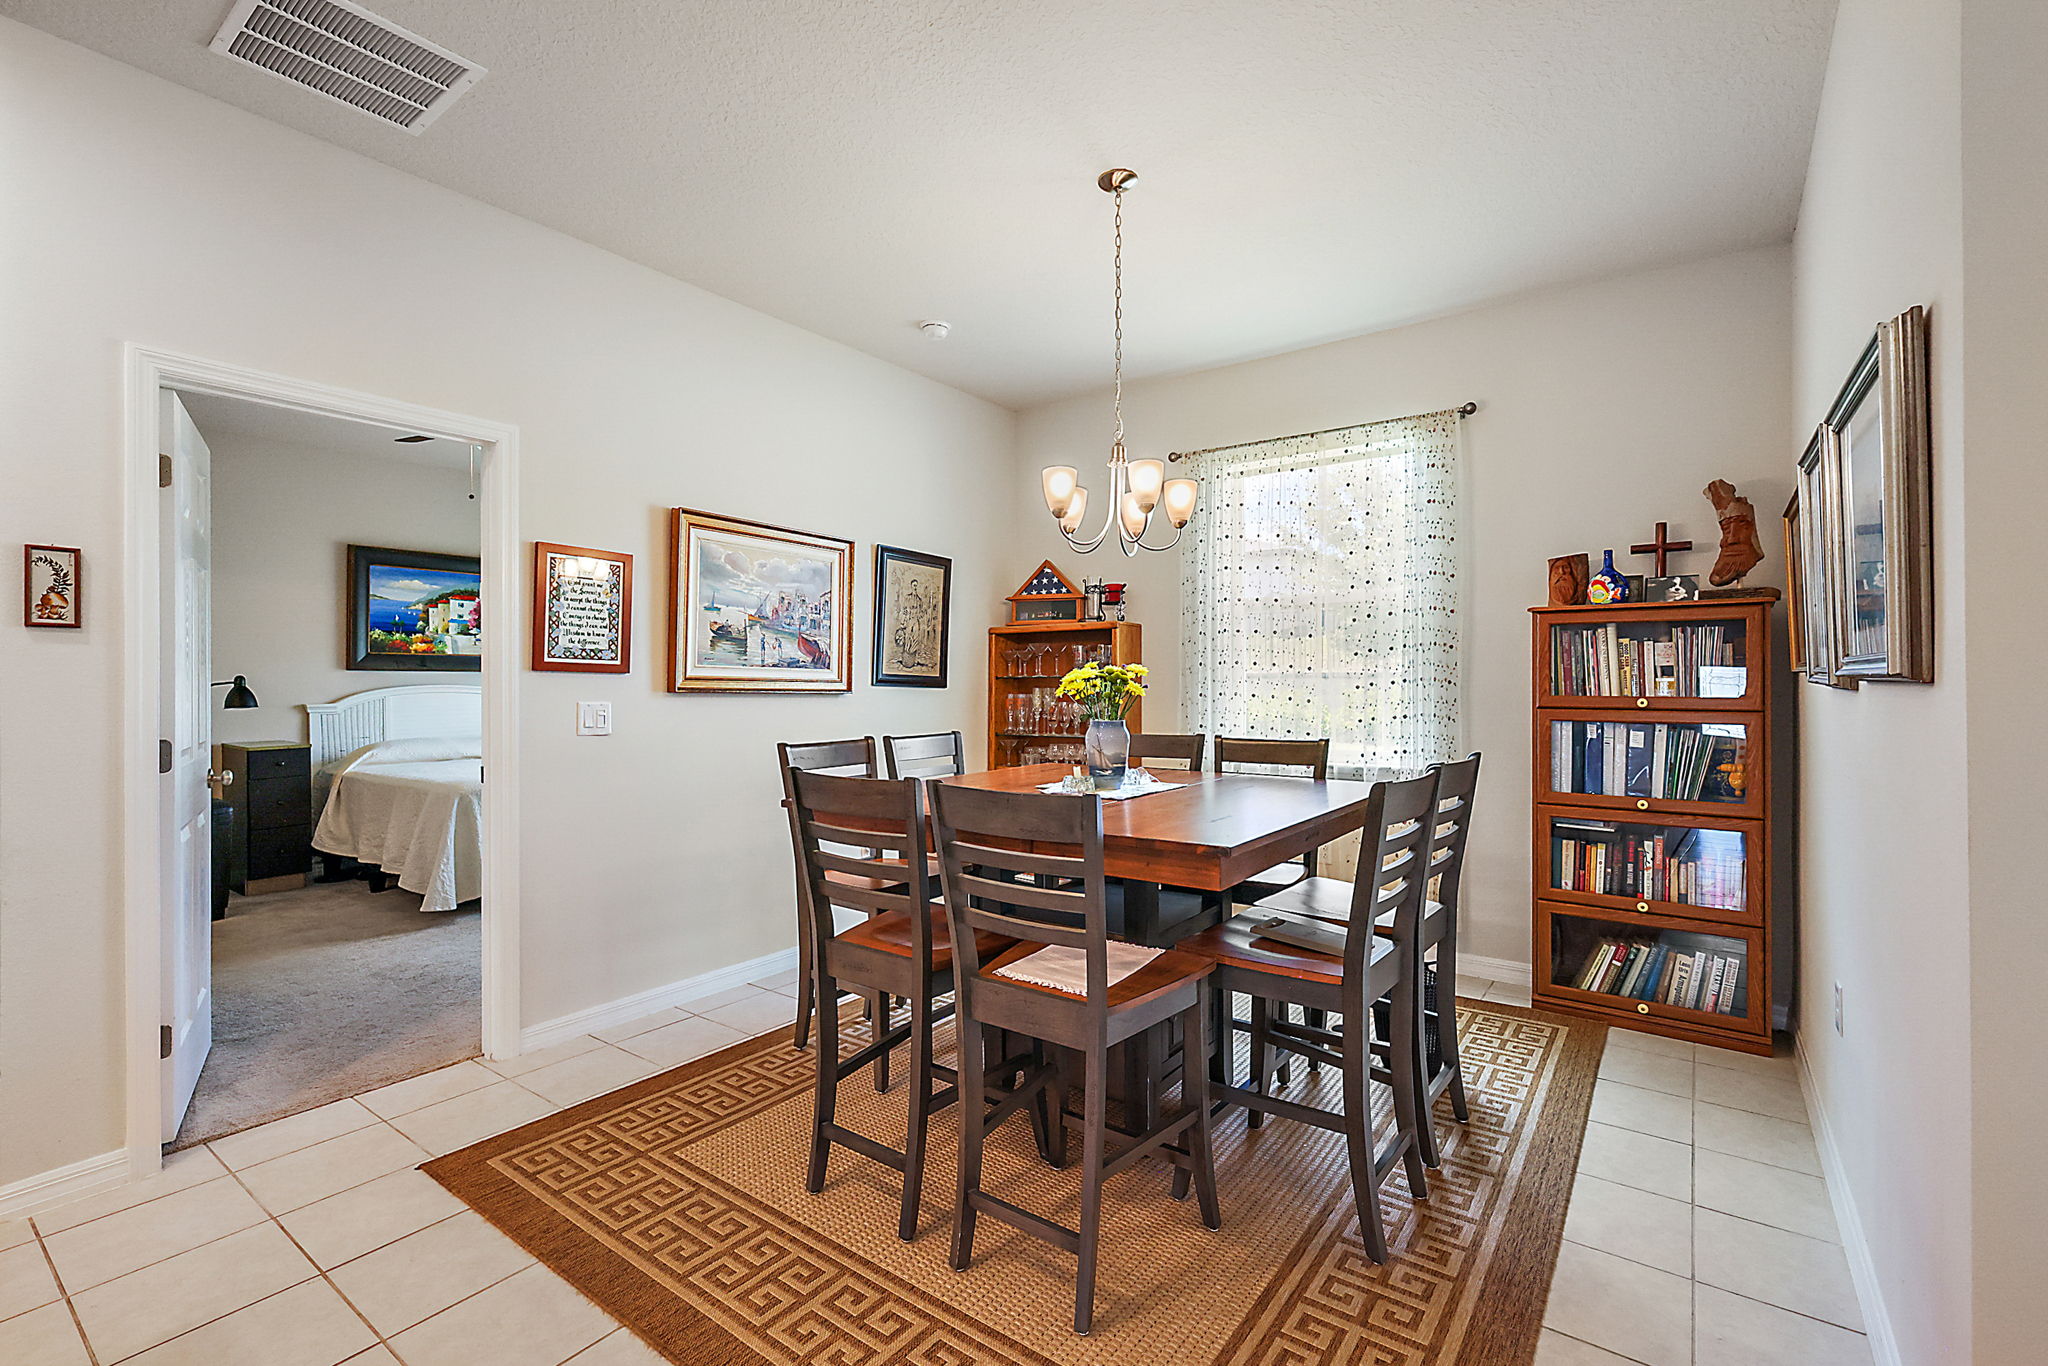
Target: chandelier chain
{"points": [[1118, 401]]}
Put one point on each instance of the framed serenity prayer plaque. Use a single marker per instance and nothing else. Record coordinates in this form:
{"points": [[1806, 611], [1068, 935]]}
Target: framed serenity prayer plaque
{"points": [[582, 609]]}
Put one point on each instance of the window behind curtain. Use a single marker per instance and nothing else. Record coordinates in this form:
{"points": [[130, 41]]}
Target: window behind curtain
{"points": [[1321, 594]]}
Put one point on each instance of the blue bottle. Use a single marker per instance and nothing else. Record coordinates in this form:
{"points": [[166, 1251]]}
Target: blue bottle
{"points": [[1607, 584]]}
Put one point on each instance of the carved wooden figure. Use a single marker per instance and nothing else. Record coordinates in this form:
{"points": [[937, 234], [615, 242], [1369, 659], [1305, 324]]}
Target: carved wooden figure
{"points": [[1568, 575], [1741, 551]]}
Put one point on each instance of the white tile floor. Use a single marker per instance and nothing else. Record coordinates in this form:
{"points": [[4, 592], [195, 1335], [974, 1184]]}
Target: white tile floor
{"points": [[1698, 1232]]}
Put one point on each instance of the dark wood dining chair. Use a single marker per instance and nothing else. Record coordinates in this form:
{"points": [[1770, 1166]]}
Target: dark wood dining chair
{"points": [[940, 754], [902, 951], [845, 758], [1296, 759], [1344, 986], [983, 870], [1187, 749], [1331, 899]]}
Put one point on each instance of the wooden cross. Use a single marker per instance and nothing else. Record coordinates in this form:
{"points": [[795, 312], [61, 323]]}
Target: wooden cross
{"points": [[1660, 547]]}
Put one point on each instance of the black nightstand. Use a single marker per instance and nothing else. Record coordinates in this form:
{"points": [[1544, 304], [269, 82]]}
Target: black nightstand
{"points": [[271, 845]]}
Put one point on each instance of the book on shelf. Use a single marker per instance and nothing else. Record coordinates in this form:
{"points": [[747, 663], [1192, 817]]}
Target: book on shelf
{"points": [[1677, 762], [1680, 660], [1702, 972], [1678, 864]]}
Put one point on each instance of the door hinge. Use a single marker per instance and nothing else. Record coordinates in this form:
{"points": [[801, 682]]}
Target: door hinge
{"points": [[163, 471], [163, 1041], [163, 756]]}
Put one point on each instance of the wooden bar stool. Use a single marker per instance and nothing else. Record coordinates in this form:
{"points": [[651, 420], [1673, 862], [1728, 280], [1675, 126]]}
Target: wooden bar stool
{"points": [[1331, 899], [940, 754], [902, 950], [1186, 749], [1096, 1008], [847, 758], [1345, 984]]}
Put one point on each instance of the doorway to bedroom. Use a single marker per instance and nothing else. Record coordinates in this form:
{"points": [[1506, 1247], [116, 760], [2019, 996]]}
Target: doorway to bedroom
{"points": [[330, 590]]}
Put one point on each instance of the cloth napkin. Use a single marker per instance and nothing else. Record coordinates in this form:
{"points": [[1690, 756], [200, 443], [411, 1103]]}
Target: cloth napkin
{"points": [[1066, 969]]}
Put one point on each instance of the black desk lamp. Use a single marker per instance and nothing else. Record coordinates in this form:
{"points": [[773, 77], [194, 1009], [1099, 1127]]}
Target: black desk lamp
{"points": [[240, 697]]}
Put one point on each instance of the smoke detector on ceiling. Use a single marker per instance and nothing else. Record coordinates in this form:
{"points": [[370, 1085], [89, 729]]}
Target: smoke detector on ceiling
{"points": [[346, 53], [935, 329]]}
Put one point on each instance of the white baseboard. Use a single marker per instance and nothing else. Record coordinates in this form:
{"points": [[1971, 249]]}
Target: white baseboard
{"points": [[64, 1184], [1877, 1321], [551, 1032], [1505, 970]]}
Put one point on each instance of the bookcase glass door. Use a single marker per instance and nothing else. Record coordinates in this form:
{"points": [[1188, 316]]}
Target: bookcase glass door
{"points": [[1639, 759], [1651, 658], [1655, 969], [1683, 865]]}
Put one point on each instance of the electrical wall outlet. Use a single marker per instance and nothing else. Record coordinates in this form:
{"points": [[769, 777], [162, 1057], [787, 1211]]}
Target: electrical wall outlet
{"points": [[593, 718], [1838, 1007]]}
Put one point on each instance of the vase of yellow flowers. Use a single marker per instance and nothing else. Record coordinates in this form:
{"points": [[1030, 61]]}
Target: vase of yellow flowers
{"points": [[1106, 693]]}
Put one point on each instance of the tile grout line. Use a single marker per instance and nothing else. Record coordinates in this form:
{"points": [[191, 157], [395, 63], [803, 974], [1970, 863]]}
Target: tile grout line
{"points": [[92, 1356]]}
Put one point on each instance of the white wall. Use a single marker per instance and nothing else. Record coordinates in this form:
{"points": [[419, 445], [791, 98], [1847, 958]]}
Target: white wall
{"points": [[1885, 828], [1603, 408], [136, 211], [2005, 180], [284, 516]]}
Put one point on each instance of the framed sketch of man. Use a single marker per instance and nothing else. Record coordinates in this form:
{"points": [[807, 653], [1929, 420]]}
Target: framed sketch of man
{"points": [[913, 618], [582, 609]]}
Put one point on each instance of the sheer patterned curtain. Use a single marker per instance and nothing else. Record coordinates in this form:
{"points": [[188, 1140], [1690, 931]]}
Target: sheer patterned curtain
{"points": [[1321, 594]]}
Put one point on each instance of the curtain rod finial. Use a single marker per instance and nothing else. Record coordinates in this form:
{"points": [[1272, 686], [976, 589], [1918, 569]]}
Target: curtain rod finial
{"points": [[1466, 410]]}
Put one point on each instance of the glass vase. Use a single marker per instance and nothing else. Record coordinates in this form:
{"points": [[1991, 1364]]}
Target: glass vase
{"points": [[1109, 754]]}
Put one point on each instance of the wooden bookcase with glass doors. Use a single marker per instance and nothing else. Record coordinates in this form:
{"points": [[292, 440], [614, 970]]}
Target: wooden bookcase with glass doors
{"points": [[1653, 844], [1026, 724]]}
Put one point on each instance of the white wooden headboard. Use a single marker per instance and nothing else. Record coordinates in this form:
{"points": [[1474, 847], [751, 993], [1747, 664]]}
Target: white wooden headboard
{"points": [[455, 710]]}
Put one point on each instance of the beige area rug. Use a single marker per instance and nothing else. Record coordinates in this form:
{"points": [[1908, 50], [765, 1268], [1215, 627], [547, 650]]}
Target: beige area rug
{"points": [[331, 991], [677, 1203]]}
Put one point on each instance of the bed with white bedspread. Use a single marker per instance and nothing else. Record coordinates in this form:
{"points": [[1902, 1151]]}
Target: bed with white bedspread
{"points": [[398, 774]]}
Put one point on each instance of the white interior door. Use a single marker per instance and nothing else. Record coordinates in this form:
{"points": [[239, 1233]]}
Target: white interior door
{"points": [[187, 718]]}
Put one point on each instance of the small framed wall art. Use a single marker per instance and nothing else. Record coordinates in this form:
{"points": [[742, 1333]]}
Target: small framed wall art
{"points": [[913, 617], [414, 609], [582, 609], [49, 586], [757, 608]]}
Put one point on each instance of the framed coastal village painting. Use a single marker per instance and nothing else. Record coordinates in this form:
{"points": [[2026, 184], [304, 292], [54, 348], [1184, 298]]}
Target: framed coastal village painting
{"points": [[414, 609], [757, 608], [913, 617], [582, 609]]}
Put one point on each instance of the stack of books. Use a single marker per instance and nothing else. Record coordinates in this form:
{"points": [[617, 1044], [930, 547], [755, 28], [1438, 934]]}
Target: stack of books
{"points": [[1682, 661], [1654, 863], [1687, 763], [1692, 971]]}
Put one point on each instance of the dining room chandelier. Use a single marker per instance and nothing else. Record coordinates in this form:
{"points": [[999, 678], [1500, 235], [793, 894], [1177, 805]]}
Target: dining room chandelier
{"points": [[1137, 488]]}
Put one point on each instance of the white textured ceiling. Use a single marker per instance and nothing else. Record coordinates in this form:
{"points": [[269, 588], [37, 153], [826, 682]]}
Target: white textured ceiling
{"points": [[1311, 169]]}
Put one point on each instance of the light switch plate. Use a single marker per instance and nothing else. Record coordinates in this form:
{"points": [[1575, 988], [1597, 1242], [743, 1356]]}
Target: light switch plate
{"points": [[593, 718]]}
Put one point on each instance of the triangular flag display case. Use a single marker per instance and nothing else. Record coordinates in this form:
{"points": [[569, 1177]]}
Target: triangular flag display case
{"points": [[1047, 595]]}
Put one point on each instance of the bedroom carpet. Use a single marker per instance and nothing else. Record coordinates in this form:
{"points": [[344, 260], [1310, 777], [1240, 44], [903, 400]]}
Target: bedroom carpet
{"points": [[327, 992]]}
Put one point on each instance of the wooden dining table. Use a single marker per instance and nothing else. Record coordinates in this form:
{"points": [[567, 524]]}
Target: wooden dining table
{"points": [[1212, 832]]}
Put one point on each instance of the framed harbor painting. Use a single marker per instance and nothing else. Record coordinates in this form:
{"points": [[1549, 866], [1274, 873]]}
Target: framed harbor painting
{"points": [[757, 608], [582, 609], [414, 609], [1882, 547], [913, 617]]}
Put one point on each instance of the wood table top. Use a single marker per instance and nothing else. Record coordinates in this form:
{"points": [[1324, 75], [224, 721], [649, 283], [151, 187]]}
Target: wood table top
{"points": [[1214, 831]]}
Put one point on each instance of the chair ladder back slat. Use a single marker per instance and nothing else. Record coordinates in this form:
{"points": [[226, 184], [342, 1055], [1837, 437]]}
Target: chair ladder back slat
{"points": [[886, 803], [937, 754]]}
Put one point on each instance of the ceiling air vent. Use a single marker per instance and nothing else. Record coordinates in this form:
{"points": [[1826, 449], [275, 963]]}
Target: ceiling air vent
{"points": [[348, 54]]}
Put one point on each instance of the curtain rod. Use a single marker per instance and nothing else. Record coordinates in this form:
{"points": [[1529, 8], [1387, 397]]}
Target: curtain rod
{"points": [[1462, 410]]}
